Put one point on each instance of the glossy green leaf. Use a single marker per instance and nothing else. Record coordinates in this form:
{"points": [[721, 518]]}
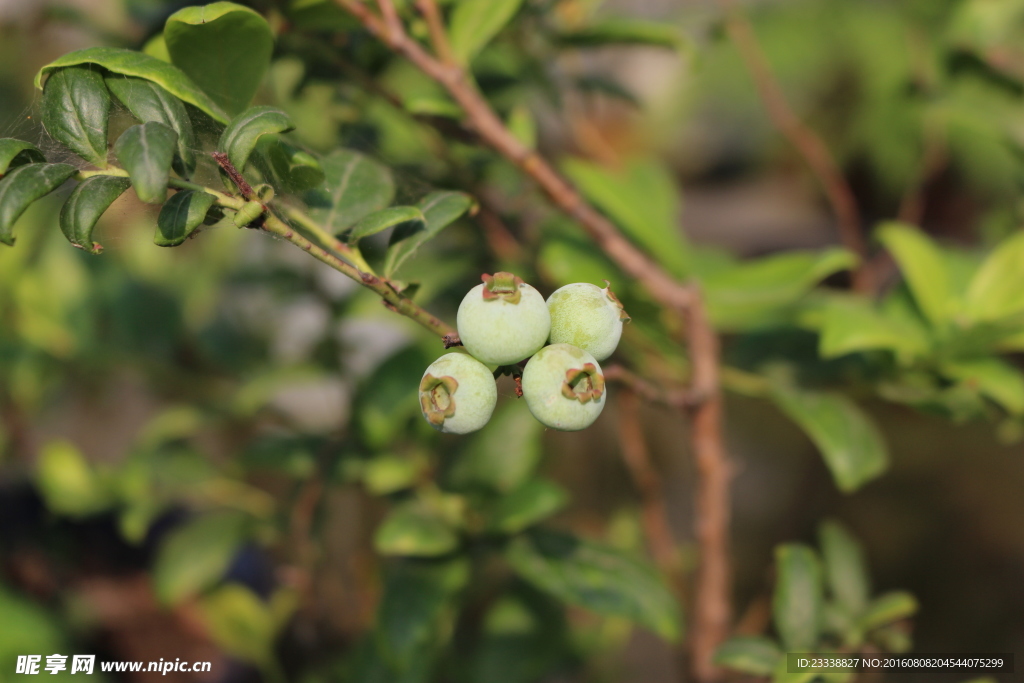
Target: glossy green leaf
{"points": [[474, 23], [440, 209], [24, 185], [643, 199], [923, 268], [132, 63], [84, 207], [533, 502], [596, 577], [224, 48], [68, 483], [748, 295], [851, 445], [846, 570], [354, 187], [413, 529], [997, 290], [240, 137], [14, 153], [887, 608], [146, 152], [75, 108], [624, 31], [417, 596], [992, 377], [851, 325], [195, 555], [180, 216], [286, 166], [797, 601], [503, 455], [147, 101], [754, 655], [407, 217]]}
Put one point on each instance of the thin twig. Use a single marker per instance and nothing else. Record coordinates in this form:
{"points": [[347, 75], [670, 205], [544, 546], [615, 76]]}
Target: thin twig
{"points": [[435, 25], [673, 397], [646, 480], [808, 143], [713, 604]]}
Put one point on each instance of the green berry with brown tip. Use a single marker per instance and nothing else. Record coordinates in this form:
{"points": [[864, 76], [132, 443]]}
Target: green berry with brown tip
{"points": [[504, 320], [587, 316], [564, 387], [457, 394]]}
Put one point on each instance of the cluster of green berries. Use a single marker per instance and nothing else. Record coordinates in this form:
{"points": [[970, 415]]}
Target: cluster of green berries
{"points": [[502, 323]]}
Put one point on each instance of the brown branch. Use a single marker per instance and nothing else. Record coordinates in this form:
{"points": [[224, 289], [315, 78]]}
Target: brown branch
{"points": [[646, 480], [713, 602], [808, 143], [435, 25], [243, 185], [672, 397]]}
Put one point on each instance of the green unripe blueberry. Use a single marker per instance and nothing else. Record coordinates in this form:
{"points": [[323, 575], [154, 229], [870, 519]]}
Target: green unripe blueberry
{"points": [[457, 394], [563, 387], [586, 316], [503, 320]]}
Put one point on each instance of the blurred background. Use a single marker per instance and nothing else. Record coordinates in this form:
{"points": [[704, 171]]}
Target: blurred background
{"points": [[196, 444]]}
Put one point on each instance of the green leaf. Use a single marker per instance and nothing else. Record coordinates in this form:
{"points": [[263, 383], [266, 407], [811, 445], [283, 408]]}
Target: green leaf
{"points": [[24, 185], [224, 48], [888, 608], [992, 377], [354, 187], [851, 325], [28, 627], [503, 455], [146, 152], [417, 596], [132, 63], [923, 268], [14, 153], [754, 655], [566, 260], [850, 443], [474, 23], [596, 577], [997, 290], [147, 101], [84, 207], [797, 601], [240, 137], [69, 485], [534, 501], [747, 295], [624, 31], [286, 166], [439, 209], [75, 109], [406, 217], [241, 623], [643, 199], [846, 570], [180, 216], [196, 555], [413, 529]]}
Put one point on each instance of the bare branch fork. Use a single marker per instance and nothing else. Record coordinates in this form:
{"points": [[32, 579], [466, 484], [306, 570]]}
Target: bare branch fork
{"points": [[712, 596]]}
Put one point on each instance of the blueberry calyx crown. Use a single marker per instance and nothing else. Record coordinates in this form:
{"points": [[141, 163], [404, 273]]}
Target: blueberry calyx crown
{"points": [[623, 316], [437, 397], [502, 286], [583, 384]]}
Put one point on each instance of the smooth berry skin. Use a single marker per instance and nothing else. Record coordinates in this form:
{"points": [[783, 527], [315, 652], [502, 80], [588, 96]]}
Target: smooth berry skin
{"points": [[471, 403], [543, 388], [584, 315], [498, 332]]}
